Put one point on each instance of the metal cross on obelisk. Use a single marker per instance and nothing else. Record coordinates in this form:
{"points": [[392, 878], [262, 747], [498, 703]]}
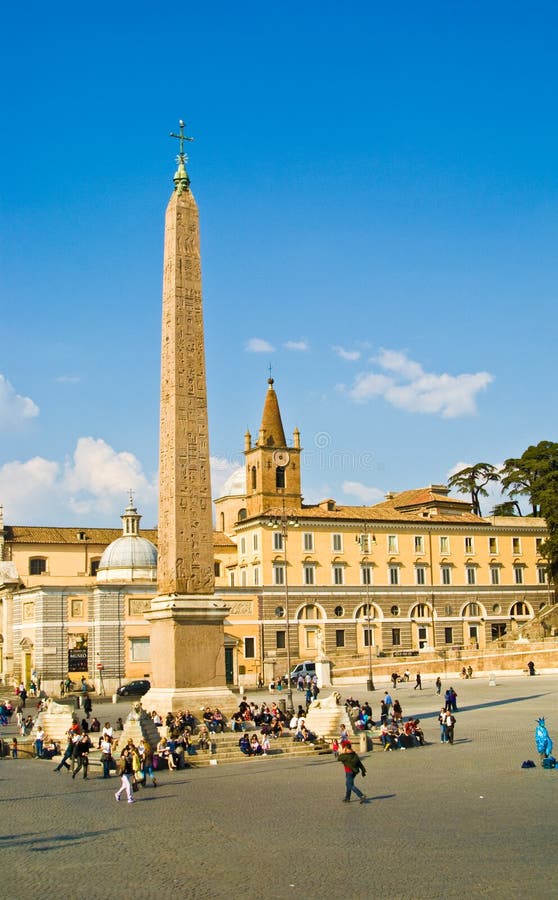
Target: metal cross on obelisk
{"points": [[181, 179]]}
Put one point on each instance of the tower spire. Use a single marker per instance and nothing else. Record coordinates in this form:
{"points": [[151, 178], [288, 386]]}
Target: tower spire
{"points": [[181, 178], [272, 433]]}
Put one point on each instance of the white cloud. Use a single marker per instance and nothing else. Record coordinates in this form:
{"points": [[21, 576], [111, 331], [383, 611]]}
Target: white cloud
{"points": [[258, 345], [14, 408], [296, 345], [363, 492], [409, 387], [350, 355], [89, 488]]}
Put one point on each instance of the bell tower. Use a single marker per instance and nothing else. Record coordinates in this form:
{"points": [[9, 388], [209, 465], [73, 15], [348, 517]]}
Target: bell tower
{"points": [[272, 467]]}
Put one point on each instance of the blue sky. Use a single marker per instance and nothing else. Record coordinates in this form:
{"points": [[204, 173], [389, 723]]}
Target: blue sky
{"points": [[378, 194]]}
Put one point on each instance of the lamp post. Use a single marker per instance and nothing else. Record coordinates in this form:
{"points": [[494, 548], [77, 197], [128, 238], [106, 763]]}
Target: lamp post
{"points": [[280, 520], [363, 540]]}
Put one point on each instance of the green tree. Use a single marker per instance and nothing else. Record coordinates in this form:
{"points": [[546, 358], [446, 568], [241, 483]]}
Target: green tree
{"points": [[507, 508], [535, 475], [473, 480]]}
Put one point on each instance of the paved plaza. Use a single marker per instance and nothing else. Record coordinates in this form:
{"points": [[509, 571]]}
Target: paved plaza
{"points": [[442, 821]]}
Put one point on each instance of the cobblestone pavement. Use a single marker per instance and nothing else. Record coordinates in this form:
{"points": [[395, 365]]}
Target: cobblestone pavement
{"points": [[441, 821]]}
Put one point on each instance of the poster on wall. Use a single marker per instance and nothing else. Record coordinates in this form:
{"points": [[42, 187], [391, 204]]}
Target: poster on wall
{"points": [[77, 653]]}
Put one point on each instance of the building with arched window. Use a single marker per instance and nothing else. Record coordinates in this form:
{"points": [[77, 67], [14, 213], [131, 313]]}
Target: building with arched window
{"points": [[414, 574]]}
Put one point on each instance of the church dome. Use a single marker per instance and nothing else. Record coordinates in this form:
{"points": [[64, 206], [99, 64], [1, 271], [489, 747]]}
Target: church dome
{"points": [[130, 557], [235, 485]]}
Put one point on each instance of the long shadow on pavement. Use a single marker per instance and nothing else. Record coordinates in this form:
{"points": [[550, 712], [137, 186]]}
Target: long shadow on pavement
{"points": [[489, 705]]}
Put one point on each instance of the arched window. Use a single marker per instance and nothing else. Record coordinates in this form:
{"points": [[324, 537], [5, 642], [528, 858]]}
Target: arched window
{"points": [[520, 610], [472, 610], [310, 611], [242, 514], [280, 477], [253, 475], [222, 521]]}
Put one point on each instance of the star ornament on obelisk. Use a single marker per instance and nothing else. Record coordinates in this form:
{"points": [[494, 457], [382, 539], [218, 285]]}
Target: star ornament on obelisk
{"points": [[187, 638]]}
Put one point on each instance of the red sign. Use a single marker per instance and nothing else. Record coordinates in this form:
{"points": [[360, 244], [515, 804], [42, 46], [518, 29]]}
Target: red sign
{"points": [[100, 666]]}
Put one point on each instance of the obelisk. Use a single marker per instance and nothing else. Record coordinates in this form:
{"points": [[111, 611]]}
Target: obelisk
{"points": [[187, 641]]}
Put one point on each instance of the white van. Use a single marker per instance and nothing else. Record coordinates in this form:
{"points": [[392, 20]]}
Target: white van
{"points": [[304, 669]]}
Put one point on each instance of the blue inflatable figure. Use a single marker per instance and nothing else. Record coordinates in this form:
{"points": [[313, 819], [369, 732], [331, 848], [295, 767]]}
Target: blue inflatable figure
{"points": [[542, 739]]}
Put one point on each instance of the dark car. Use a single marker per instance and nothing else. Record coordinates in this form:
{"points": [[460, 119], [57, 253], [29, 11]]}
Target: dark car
{"points": [[138, 688]]}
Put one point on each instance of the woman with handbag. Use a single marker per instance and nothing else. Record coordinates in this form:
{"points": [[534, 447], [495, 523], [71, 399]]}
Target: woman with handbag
{"points": [[126, 771], [146, 761]]}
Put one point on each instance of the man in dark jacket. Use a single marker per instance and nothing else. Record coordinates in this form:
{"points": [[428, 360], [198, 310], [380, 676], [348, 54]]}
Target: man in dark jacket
{"points": [[352, 765], [82, 755]]}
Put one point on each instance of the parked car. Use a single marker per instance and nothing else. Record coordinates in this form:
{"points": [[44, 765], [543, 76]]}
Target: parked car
{"points": [[137, 688], [304, 669]]}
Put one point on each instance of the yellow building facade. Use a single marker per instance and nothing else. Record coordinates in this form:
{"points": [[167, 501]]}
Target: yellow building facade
{"points": [[418, 572]]}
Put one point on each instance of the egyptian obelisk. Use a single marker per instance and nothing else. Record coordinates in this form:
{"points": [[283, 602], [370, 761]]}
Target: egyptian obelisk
{"points": [[187, 641]]}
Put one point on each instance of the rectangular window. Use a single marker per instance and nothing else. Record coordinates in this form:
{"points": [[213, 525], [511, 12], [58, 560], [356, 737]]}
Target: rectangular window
{"points": [[255, 542], [231, 579], [139, 649], [368, 637], [392, 543], [518, 574], [420, 575], [256, 575], [419, 543], [394, 574], [277, 540], [217, 568], [308, 572], [448, 635], [249, 648], [243, 545], [516, 546], [445, 572], [469, 545], [94, 566], [473, 633], [471, 574], [37, 566], [243, 577], [364, 541], [538, 545], [338, 575], [339, 637], [280, 640], [366, 574], [396, 637], [493, 545], [494, 575], [278, 574], [337, 543], [308, 542], [541, 574], [444, 545]]}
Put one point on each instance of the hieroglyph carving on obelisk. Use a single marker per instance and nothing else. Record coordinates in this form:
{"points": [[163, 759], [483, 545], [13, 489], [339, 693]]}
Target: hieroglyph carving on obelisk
{"points": [[185, 551]]}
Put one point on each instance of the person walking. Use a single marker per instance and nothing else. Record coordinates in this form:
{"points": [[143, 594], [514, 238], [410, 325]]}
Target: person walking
{"points": [[105, 746], [450, 725], [68, 752], [352, 765], [146, 761], [83, 747], [438, 685], [442, 721], [126, 770], [418, 682]]}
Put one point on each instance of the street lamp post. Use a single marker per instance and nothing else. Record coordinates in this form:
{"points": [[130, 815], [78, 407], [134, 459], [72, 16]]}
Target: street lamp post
{"points": [[281, 520], [363, 540]]}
